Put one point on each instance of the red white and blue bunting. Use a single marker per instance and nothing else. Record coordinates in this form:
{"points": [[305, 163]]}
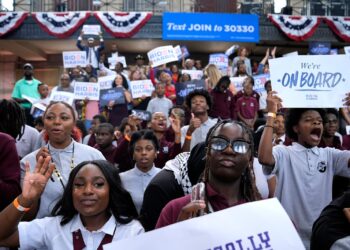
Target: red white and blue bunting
{"points": [[298, 28], [60, 24], [10, 21], [340, 26], [122, 24]]}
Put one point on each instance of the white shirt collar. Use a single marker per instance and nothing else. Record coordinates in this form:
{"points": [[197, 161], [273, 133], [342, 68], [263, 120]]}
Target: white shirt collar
{"points": [[107, 228], [151, 172], [68, 149], [301, 148]]}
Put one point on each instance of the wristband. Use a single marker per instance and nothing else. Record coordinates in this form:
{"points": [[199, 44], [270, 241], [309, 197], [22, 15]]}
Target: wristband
{"points": [[271, 114], [188, 137], [268, 126], [19, 207]]}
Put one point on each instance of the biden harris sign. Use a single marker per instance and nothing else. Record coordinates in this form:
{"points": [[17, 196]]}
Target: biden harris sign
{"points": [[211, 27], [311, 81]]}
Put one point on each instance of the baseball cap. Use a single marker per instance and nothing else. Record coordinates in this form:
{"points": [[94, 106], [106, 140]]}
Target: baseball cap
{"points": [[28, 65], [139, 57]]}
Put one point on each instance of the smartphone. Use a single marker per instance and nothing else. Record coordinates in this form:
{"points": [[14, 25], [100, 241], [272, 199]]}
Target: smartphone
{"points": [[198, 193]]}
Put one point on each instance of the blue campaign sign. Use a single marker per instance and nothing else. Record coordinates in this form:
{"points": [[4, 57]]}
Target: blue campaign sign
{"points": [[211, 27]]}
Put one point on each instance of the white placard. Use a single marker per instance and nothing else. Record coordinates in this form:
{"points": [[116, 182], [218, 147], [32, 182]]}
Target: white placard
{"points": [[141, 88], [237, 82], [195, 74], [30, 99], [162, 55], [319, 81], [90, 90], [91, 29], [106, 81], [294, 53], [347, 50], [72, 59], [114, 59], [347, 127], [62, 96], [178, 51], [254, 225]]}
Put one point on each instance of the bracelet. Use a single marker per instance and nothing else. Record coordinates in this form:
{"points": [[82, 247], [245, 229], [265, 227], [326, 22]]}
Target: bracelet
{"points": [[188, 137], [271, 114], [127, 137], [268, 126], [19, 207]]}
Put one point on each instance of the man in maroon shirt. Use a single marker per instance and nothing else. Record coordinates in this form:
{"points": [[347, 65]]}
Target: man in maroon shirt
{"points": [[104, 139]]}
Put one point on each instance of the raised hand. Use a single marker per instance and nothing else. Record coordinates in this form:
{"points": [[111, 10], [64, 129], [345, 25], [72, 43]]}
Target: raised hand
{"points": [[273, 102], [346, 100], [194, 123], [273, 52], [175, 124], [34, 183], [191, 210], [43, 152]]}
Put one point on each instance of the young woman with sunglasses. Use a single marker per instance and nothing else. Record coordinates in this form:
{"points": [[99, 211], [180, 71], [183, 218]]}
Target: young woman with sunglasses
{"points": [[228, 175]]}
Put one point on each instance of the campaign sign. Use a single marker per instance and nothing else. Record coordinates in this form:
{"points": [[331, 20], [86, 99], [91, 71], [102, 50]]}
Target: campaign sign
{"points": [[114, 94], [91, 29], [319, 48], [83, 90], [72, 59], [259, 82], [347, 50], [142, 114], [106, 82], [114, 59], [237, 83], [178, 51], [253, 225], [220, 60], [162, 55], [210, 27], [183, 88], [195, 74], [141, 88], [184, 51], [62, 96], [311, 81]]}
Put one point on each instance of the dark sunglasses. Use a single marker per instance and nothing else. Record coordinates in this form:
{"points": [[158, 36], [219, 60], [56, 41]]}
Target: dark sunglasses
{"points": [[219, 144]]}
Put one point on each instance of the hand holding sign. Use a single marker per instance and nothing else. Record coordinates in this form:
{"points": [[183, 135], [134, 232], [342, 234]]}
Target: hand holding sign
{"points": [[273, 102], [346, 100], [191, 210]]}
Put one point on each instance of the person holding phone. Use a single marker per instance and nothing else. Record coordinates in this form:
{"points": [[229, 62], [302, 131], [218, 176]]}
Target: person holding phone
{"points": [[228, 175]]}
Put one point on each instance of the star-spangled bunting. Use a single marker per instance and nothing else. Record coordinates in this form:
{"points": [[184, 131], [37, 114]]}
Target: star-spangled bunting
{"points": [[340, 26], [10, 21], [297, 28], [60, 24], [123, 24]]}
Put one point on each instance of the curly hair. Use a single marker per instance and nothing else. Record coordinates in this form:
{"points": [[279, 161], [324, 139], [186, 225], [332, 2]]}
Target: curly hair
{"points": [[248, 189], [198, 92], [120, 201], [293, 117]]}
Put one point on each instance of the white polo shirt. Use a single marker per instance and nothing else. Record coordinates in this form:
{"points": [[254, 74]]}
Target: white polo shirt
{"points": [[304, 182], [47, 233]]}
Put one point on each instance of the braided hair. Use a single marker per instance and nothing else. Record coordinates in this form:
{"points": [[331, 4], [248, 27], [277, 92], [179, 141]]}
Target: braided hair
{"points": [[12, 118], [248, 189]]}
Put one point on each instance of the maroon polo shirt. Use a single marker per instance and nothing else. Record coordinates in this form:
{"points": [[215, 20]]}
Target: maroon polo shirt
{"points": [[223, 105], [247, 106], [108, 153]]}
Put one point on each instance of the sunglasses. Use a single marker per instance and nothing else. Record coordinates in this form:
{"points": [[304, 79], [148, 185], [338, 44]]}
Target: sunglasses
{"points": [[219, 144]]}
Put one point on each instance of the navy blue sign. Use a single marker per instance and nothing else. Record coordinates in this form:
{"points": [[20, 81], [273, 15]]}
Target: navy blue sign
{"points": [[211, 27], [319, 48], [183, 88], [114, 94]]}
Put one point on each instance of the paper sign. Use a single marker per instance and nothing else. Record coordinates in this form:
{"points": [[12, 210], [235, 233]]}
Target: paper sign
{"points": [[113, 61], [37, 110], [142, 114], [253, 225], [184, 51], [30, 99], [62, 96], [178, 51], [83, 90], [92, 29], [237, 82], [311, 81], [72, 59], [220, 60], [259, 82], [106, 82], [162, 55], [114, 94], [347, 50], [347, 128], [183, 88], [294, 53], [195, 74], [141, 88]]}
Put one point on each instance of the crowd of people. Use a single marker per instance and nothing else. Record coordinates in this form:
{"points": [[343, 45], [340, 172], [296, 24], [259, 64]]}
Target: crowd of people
{"points": [[80, 174]]}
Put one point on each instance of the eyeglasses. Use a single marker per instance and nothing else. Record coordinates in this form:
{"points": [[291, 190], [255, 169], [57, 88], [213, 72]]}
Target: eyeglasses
{"points": [[220, 144]]}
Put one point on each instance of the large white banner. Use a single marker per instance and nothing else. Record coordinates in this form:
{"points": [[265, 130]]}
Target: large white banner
{"points": [[89, 90], [311, 81], [72, 59], [162, 55], [62, 96], [254, 225], [141, 88]]}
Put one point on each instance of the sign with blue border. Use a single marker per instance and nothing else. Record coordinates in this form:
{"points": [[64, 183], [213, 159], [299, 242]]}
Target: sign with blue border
{"points": [[211, 27]]}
